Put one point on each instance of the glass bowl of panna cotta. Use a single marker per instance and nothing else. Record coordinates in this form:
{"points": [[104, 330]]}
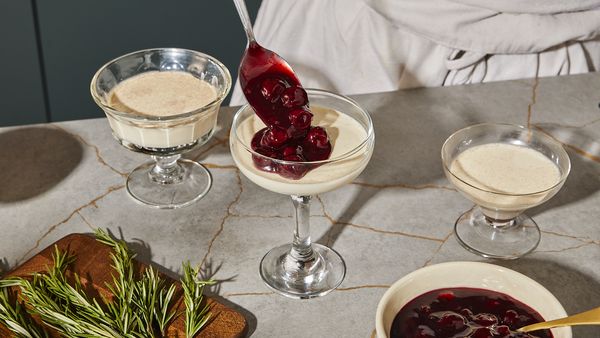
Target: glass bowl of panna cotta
{"points": [[163, 102], [303, 269], [504, 169]]}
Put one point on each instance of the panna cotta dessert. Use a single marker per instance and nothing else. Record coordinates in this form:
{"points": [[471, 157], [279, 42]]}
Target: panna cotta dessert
{"points": [[504, 169], [296, 142], [285, 177], [504, 179], [289, 143], [163, 102], [157, 95]]}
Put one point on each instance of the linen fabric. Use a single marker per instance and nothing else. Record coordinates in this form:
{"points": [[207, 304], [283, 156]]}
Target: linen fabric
{"points": [[364, 46]]}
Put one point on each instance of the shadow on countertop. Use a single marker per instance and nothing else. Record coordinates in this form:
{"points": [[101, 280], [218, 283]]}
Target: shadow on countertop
{"points": [[407, 150], [584, 178], [575, 290], [34, 160]]}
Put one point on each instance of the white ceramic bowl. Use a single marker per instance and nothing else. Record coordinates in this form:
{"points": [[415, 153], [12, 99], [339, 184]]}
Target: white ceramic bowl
{"points": [[468, 274]]}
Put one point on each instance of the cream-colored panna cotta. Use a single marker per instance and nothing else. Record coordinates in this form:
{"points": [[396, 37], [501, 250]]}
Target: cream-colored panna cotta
{"points": [[345, 135], [164, 94], [504, 179]]}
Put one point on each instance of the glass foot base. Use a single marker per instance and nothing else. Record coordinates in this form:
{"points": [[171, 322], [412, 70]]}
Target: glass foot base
{"points": [[516, 239], [194, 184], [316, 277]]}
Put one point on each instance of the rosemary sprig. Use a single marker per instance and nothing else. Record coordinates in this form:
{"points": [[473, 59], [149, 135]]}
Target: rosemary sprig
{"points": [[14, 317], [196, 314], [64, 307], [141, 305]]}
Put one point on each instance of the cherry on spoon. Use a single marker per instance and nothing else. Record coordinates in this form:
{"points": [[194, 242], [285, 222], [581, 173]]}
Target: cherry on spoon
{"points": [[590, 317], [278, 99], [268, 81]]}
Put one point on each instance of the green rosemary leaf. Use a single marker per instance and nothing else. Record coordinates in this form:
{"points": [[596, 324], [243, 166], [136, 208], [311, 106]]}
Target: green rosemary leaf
{"points": [[141, 306], [162, 315], [16, 319], [196, 315]]}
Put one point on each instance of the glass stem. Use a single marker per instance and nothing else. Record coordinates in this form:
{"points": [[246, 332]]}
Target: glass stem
{"points": [[301, 246], [166, 170], [500, 223]]}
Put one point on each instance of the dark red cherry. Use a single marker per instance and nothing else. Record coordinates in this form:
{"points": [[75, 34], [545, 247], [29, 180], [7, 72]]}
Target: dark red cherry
{"points": [[264, 163], [491, 304], [293, 171], [485, 319], [291, 150], [466, 313], [424, 332], [300, 118], [271, 89], [255, 143], [511, 317], [425, 309], [274, 137], [294, 96], [503, 330], [452, 321], [482, 333], [317, 137], [316, 145], [447, 296]]}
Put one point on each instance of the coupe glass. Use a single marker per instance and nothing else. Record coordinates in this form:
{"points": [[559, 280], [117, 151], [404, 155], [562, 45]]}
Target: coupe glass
{"points": [[304, 269], [497, 227], [168, 181]]}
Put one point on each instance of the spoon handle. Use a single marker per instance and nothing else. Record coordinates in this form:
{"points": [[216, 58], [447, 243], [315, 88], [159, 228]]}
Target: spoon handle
{"points": [[591, 317], [240, 5]]}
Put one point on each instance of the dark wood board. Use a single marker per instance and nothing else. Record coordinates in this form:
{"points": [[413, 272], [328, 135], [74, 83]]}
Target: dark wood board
{"points": [[93, 265]]}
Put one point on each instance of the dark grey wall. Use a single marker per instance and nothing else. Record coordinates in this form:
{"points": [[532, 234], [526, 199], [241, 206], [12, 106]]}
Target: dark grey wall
{"points": [[77, 37], [21, 91]]}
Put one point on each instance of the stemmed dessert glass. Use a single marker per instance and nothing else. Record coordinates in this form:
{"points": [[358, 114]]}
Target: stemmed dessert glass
{"points": [[304, 269], [497, 227], [168, 181]]}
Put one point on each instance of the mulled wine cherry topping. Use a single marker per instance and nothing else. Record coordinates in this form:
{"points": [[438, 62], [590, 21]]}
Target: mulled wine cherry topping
{"points": [[275, 93], [271, 89], [274, 137], [294, 96], [316, 144], [294, 171], [465, 312]]}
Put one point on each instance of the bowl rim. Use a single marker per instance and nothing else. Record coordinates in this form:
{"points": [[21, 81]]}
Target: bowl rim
{"points": [[379, 327], [150, 118], [538, 133], [370, 136]]}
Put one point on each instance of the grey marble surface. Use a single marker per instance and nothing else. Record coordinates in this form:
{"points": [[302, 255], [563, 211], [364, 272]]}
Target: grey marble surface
{"points": [[397, 217]]}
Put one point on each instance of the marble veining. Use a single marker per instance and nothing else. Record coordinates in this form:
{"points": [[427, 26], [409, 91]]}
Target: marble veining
{"points": [[396, 217]]}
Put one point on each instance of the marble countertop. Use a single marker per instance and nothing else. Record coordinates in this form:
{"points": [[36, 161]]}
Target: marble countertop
{"points": [[398, 216]]}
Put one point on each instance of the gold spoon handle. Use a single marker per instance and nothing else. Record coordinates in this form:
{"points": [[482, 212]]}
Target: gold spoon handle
{"points": [[591, 317]]}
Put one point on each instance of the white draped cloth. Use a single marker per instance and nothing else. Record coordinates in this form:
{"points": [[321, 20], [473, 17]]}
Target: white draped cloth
{"points": [[363, 46]]}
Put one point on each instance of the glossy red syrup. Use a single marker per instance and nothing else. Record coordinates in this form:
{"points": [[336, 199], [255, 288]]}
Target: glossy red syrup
{"points": [[280, 101], [465, 312]]}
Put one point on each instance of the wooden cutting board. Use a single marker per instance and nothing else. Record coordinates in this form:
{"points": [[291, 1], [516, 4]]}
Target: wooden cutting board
{"points": [[93, 265]]}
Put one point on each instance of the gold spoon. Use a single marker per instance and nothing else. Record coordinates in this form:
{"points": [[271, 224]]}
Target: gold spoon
{"points": [[591, 317]]}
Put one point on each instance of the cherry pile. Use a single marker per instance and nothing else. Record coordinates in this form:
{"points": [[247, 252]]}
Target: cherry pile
{"points": [[465, 312], [275, 93]]}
